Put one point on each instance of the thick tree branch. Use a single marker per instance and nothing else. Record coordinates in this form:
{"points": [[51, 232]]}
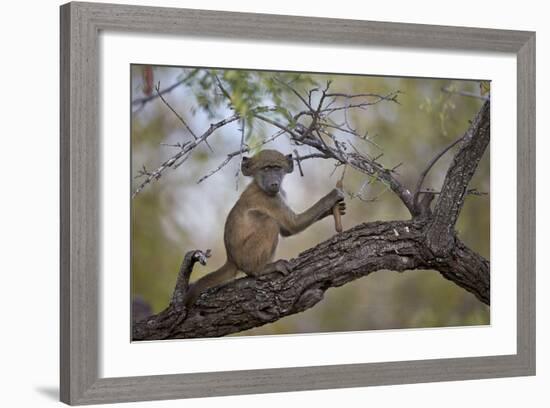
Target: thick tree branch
{"points": [[474, 143], [247, 302], [468, 270]]}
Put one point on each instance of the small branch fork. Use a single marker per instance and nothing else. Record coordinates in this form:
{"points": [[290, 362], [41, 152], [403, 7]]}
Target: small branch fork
{"points": [[427, 241]]}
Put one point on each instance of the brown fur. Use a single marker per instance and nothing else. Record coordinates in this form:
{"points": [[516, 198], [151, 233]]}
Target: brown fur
{"points": [[260, 215]]}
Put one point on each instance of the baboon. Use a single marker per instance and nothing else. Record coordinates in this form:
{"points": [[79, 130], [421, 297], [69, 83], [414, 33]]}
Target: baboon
{"points": [[260, 215]]}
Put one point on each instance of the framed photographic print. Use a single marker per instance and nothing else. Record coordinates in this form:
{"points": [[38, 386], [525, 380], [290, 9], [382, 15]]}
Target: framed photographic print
{"points": [[259, 203]]}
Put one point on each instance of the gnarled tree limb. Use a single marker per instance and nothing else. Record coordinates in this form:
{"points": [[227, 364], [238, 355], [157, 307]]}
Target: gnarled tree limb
{"points": [[440, 234], [247, 302]]}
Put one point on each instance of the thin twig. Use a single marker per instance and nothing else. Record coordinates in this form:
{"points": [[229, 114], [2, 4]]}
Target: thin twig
{"points": [[278, 125], [310, 92], [157, 88], [350, 132], [369, 200], [377, 157], [312, 156], [361, 105], [295, 92], [346, 120], [176, 145], [389, 97], [298, 161], [396, 167], [243, 149], [241, 158], [430, 165], [224, 92]]}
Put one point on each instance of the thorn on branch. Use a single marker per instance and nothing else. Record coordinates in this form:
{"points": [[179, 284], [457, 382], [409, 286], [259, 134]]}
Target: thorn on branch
{"points": [[143, 172], [394, 168], [377, 157], [475, 192], [176, 145]]}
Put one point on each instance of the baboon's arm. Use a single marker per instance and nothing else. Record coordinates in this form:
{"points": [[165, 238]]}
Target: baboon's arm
{"points": [[292, 223]]}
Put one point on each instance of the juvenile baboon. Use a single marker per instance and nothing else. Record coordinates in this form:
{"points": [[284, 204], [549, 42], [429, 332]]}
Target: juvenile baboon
{"points": [[253, 225]]}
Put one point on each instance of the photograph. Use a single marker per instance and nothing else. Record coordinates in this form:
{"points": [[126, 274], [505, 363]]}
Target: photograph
{"points": [[285, 203], [257, 201]]}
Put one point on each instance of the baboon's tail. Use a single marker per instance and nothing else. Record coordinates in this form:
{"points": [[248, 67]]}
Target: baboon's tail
{"points": [[223, 274]]}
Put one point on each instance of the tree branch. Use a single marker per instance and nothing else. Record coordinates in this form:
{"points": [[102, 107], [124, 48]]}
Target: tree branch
{"points": [[441, 234], [243, 149], [180, 118], [248, 302], [155, 175], [355, 160], [186, 149]]}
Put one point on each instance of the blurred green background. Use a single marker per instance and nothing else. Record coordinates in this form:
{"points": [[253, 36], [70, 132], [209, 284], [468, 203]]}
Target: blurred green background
{"points": [[175, 214]]}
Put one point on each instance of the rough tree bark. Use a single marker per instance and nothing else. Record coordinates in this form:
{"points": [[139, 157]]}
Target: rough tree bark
{"points": [[427, 241]]}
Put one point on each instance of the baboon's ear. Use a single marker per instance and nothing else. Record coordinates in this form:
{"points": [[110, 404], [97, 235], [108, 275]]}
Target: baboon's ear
{"points": [[290, 162], [246, 166]]}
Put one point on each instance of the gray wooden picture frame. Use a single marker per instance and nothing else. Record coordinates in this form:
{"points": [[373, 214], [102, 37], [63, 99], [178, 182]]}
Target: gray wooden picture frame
{"points": [[81, 24]]}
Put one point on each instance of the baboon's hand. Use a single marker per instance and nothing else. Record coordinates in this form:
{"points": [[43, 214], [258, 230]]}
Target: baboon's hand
{"points": [[341, 205], [336, 195], [335, 198]]}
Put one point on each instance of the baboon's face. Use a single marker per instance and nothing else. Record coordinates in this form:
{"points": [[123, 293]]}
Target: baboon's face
{"points": [[270, 179]]}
